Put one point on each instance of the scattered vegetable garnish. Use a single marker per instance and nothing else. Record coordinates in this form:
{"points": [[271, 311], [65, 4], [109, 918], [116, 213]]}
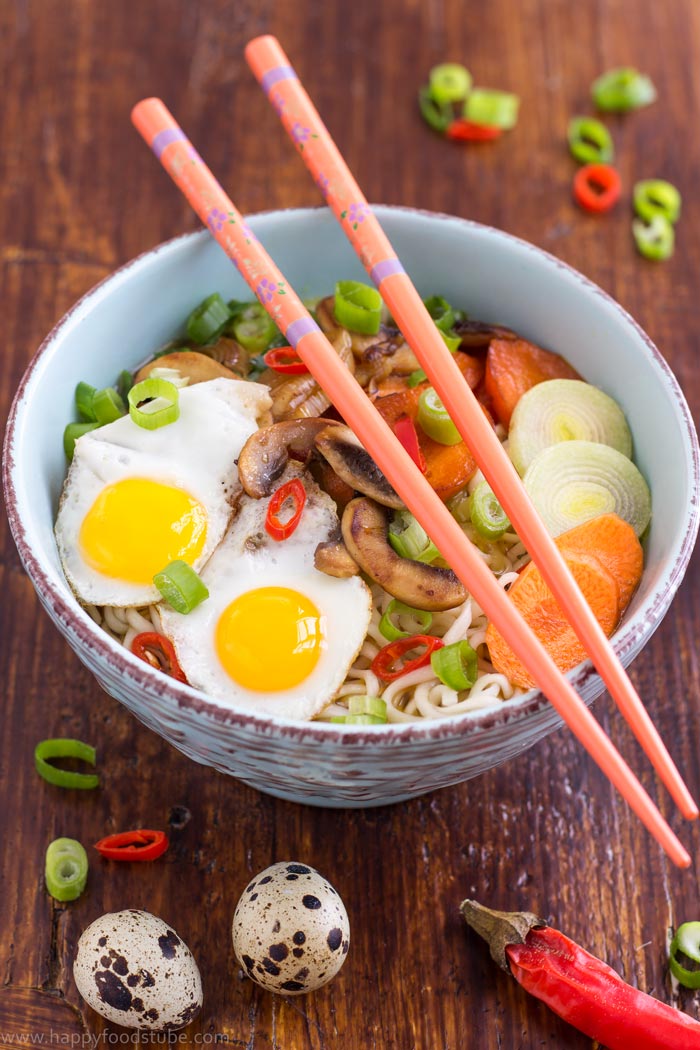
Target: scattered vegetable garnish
{"points": [[497, 109], [463, 130], [487, 515], [434, 419], [456, 665], [141, 844], [363, 710], [386, 664], [253, 328], [173, 375], [410, 540], [358, 307], [405, 430], [293, 491], [153, 403], [654, 197], [181, 587], [620, 90], [590, 141], [450, 82], [208, 320], [66, 869], [158, 651], [597, 187], [686, 942], [71, 434], [286, 360], [416, 378], [438, 115], [84, 394], [440, 311], [395, 608], [46, 750], [578, 987], [107, 406], [124, 384], [654, 240]]}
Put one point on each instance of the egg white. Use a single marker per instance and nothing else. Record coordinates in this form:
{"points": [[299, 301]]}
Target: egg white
{"points": [[196, 453], [247, 559]]}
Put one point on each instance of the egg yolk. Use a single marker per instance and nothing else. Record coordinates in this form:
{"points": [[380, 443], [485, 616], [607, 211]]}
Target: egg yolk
{"points": [[136, 527], [270, 639]]}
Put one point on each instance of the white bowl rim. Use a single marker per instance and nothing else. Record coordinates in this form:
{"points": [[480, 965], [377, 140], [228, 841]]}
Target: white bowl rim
{"points": [[80, 625]]}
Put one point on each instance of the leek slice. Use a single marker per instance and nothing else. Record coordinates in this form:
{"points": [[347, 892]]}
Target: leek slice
{"points": [[574, 481], [565, 410]]}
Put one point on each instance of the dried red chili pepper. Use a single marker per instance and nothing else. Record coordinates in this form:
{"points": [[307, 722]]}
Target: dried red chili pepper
{"points": [[405, 430], [158, 651], [141, 844], [578, 987], [286, 360], [467, 131], [295, 492], [385, 662], [597, 187]]}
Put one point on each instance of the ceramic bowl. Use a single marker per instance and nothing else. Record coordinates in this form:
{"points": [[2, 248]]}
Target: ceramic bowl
{"points": [[493, 276]]}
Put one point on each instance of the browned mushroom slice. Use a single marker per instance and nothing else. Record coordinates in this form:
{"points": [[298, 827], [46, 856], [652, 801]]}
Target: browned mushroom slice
{"points": [[376, 355], [334, 559], [476, 334], [266, 452], [365, 527], [195, 367], [299, 396], [353, 463], [230, 353]]}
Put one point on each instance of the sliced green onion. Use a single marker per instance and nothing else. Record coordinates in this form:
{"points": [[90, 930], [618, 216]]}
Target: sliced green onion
{"points": [[620, 90], [84, 394], [438, 115], [254, 329], [495, 109], [161, 403], [65, 748], [455, 665], [358, 720], [655, 240], [358, 307], [124, 384], [452, 341], [654, 197], [66, 869], [433, 418], [71, 434], [208, 320], [107, 406], [686, 940], [487, 515], [173, 375], [410, 540], [416, 378], [450, 82], [396, 608], [590, 141], [440, 311], [367, 705], [181, 587]]}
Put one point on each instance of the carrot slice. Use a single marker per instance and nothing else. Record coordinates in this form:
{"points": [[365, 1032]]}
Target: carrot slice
{"points": [[513, 366], [472, 368], [539, 608], [614, 543]]}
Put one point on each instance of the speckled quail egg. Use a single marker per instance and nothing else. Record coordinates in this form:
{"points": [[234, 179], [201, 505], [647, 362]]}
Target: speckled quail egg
{"points": [[290, 929], [133, 969]]}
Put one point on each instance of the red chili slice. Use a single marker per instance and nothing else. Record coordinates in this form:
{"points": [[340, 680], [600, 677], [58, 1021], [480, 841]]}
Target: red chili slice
{"points": [[384, 663], [157, 650], [405, 430], [291, 490], [597, 187], [133, 845], [467, 131], [285, 359]]}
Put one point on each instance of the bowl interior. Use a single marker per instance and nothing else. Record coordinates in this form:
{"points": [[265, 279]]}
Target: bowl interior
{"points": [[493, 276]]}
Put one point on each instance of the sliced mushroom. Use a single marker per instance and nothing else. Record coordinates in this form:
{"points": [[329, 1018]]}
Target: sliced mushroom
{"points": [[376, 355], [197, 368], [475, 334], [334, 559], [354, 465], [266, 452], [298, 396], [365, 527], [230, 353]]}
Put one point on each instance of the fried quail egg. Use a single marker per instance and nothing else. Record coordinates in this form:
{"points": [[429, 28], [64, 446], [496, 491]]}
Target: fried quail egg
{"points": [[275, 636], [134, 970], [290, 929], [135, 500]]}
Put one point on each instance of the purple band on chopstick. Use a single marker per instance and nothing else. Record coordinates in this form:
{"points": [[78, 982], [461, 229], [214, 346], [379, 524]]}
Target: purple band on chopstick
{"points": [[385, 269], [273, 76], [298, 329], [164, 138]]}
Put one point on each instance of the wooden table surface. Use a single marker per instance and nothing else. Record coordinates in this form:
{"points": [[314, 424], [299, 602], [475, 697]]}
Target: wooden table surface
{"points": [[79, 195]]}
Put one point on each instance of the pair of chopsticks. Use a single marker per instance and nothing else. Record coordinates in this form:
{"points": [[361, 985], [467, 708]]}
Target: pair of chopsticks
{"points": [[217, 211]]}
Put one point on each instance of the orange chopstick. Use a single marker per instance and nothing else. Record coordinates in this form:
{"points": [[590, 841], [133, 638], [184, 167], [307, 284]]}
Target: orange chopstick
{"points": [[300, 118], [218, 212]]}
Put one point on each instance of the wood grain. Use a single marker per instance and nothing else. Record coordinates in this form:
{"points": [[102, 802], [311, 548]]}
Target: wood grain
{"points": [[79, 195]]}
